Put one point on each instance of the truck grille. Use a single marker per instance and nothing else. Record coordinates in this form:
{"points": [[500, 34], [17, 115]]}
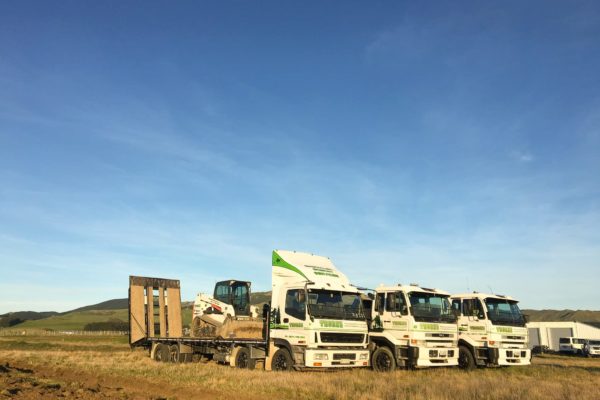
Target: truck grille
{"points": [[330, 337], [344, 356]]}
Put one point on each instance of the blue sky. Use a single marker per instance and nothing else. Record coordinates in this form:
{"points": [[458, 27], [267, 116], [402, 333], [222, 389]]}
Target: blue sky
{"points": [[452, 144]]}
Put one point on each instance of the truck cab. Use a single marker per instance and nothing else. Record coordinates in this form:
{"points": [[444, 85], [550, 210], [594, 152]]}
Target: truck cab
{"points": [[412, 327], [317, 318], [491, 331]]}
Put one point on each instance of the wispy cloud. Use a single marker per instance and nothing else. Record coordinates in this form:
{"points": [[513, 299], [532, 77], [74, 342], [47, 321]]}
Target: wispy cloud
{"points": [[522, 156]]}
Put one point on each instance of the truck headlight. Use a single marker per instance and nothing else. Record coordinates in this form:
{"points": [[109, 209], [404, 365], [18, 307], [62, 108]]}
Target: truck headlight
{"points": [[321, 356], [364, 356]]}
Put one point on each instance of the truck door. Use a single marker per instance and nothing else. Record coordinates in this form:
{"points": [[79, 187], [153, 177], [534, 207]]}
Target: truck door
{"points": [[395, 308]]}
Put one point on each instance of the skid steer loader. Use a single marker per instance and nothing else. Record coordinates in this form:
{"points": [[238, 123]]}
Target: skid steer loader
{"points": [[227, 314]]}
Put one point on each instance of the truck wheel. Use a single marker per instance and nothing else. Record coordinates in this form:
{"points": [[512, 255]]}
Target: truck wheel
{"points": [[174, 353], [465, 358], [243, 360], [162, 353], [383, 360], [282, 360]]}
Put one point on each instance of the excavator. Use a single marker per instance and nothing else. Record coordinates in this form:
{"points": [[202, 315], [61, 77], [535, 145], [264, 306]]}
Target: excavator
{"points": [[227, 314]]}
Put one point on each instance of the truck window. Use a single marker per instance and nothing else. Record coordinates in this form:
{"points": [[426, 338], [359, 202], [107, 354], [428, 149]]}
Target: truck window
{"points": [[565, 340], [456, 306], [295, 303], [473, 308], [395, 303], [380, 302]]}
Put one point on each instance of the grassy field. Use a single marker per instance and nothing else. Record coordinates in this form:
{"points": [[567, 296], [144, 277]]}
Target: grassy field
{"points": [[105, 367]]}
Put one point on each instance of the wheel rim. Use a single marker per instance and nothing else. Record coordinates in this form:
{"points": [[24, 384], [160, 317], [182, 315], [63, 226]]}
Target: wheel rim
{"points": [[281, 362], [242, 360], [383, 361]]}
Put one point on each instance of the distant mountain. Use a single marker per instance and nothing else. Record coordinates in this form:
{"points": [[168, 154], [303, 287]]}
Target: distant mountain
{"points": [[563, 315], [260, 297], [15, 318]]}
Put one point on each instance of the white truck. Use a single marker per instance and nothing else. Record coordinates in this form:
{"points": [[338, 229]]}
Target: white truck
{"points": [[571, 345], [412, 327], [593, 348], [491, 331], [317, 318]]}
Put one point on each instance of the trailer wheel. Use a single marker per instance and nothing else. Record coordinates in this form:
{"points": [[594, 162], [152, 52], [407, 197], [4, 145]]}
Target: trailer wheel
{"points": [[243, 360], [174, 353], [162, 353], [282, 360], [383, 360], [465, 358]]}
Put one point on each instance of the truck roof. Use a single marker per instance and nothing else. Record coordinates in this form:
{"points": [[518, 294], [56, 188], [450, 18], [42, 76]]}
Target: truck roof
{"points": [[318, 271], [409, 288], [477, 295]]}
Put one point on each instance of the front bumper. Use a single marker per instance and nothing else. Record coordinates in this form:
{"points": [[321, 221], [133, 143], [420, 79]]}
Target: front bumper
{"points": [[594, 351], [435, 357], [321, 358], [512, 356]]}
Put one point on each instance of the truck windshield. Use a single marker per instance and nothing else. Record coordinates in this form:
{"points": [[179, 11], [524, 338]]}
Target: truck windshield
{"points": [[594, 342], [430, 307], [504, 312], [330, 304]]}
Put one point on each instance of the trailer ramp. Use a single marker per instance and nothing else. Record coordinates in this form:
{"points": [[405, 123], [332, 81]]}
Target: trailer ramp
{"points": [[154, 308]]}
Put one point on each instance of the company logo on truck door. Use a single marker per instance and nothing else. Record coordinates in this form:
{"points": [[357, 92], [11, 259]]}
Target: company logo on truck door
{"points": [[323, 271], [331, 324], [477, 328]]}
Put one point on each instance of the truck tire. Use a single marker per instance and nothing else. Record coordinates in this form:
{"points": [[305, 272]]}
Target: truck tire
{"points": [[243, 360], [466, 360], [383, 360], [162, 353], [174, 353], [282, 360]]}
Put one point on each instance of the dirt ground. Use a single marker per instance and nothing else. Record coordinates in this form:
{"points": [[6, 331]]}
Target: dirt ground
{"points": [[106, 368], [23, 382]]}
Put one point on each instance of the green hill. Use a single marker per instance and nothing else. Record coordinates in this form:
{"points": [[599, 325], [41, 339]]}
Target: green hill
{"points": [[114, 304], [15, 318], [75, 320]]}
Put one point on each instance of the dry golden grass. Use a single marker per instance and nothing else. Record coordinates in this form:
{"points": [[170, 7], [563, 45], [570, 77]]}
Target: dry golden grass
{"points": [[551, 377]]}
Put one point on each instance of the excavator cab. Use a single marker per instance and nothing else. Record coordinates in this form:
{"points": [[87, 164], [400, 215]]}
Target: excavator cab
{"points": [[236, 293]]}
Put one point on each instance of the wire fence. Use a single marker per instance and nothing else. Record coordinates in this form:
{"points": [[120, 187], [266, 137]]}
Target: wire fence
{"points": [[48, 332]]}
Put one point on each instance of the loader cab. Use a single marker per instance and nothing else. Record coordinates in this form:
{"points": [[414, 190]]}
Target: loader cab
{"points": [[236, 293]]}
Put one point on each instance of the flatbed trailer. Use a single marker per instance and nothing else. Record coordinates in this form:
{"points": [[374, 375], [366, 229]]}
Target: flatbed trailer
{"points": [[313, 321], [155, 324]]}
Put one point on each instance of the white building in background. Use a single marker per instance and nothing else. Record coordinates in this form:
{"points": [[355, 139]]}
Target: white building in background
{"points": [[548, 333]]}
